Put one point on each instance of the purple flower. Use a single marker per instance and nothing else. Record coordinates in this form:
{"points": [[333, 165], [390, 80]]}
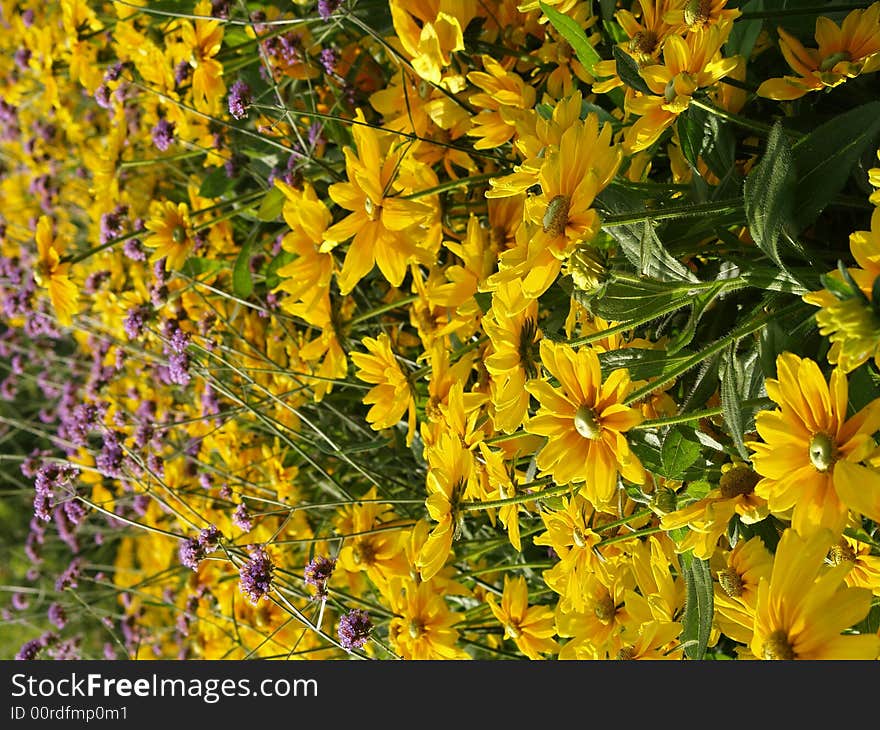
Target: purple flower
{"points": [[22, 58], [31, 649], [318, 572], [181, 72], [57, 615], [255, 578], [112, 224], [241, 518], [133, 249], [178, 368], [354, 629], [239, 99], [209, 538], [190, 553], [326, 8], [136, 319], [102, 96], [69, 578], [163, 134], [49, 477]]}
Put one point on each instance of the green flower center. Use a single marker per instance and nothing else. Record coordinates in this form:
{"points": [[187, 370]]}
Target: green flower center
{"points": [[834, 59], [577, 536], [586, 424], [777, 646], [822, 452], [605, 608], [178, 235]]}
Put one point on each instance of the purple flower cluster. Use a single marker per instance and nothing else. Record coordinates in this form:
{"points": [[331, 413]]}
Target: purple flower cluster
{"points": [[354, 629], [326, 8], [163, 135], [239, 99], [113, 223], [194, 549], [49, 477], [318, 572], [241, 518], [255, 577]]}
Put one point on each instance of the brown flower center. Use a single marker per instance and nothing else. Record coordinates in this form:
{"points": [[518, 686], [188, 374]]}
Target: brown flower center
{"points": [[731, 582], [605, 608], [842, 553], [556, 216], [738, 480]]}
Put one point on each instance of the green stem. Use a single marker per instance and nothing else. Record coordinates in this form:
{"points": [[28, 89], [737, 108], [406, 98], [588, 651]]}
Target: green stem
{"points": [[698, 415], [624, 520], [715, 347], [126, 164], [450, 185], [390, 306], [519, 499], [757, 127], [814, 10], [630, 536], [677, 211], [103, 247]]}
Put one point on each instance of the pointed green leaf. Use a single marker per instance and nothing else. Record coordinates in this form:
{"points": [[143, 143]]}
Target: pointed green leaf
{"points": [[678, 453], [769, 193], [271, 205], [825, 159], [576, 36], [216, 183], [699, 605], [242, 282], [628, 70]]}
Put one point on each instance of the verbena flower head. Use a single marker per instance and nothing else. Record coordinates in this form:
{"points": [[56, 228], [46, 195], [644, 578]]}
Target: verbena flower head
{"points": [[354, 629], [256, 573]]}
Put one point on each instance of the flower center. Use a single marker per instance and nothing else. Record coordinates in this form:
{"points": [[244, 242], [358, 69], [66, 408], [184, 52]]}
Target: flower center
{"points": [[416, 628], [697, 12], [626, 653], [371, 208], [822, 452], [577, 536], [528, 348], [178, 235], [512, 631], [835, 58], [842, 553], [731, 582], [605, 608], [664, 500], [586, 424], [738, 480], [643, 43], [556, 215], [363, 553], [777, 646]]}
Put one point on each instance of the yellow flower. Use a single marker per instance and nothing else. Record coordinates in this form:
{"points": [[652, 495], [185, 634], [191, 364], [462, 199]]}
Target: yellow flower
{"points": [[690, 63], [422, 627], [843, 52], [450, 470], [811, 452], [864, 566], [531, 628], [512, 327], [804, 608], [707, 518], [203, 39], [171, 233], [391, 395], [380, 223], [736, 589], [584, 421], [698, 14], [503, 478], [52, 275], [850, 323], [504, 99]]}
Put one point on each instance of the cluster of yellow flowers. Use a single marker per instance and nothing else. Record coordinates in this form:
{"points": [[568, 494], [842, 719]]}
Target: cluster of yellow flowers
{"points": [[366, 355]]}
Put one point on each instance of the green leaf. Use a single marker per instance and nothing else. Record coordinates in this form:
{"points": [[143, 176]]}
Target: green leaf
{"points": [[769, 193], [272, 277], [628, 70], [195, 266], [691, 125], [242, 282], [699, 605], [678, 453], [825, 158], [216, 183], [745, 33], [641, 364], [576, 36], [271, 205], [731, 399], [625, 300], [699, 304]]}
